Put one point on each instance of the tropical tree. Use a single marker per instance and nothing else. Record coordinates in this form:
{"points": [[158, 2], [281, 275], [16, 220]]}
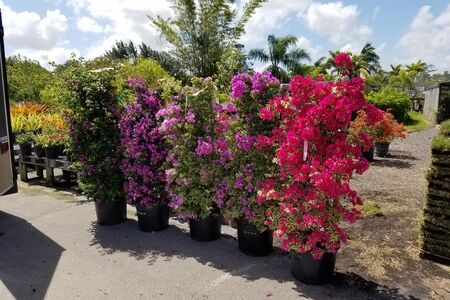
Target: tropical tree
{"points": [[202, 30], [26, 78], [370, 59], [130, 52], [282, 55]]}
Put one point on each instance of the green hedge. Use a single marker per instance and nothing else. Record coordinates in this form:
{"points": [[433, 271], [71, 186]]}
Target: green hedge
{"points": [[397, 103], [436, 213]]}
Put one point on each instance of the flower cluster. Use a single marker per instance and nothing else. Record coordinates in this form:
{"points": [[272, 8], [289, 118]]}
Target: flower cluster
{"points": [[198, 154], [316, 160], [143, 147], [343, 60], [251, 164]]}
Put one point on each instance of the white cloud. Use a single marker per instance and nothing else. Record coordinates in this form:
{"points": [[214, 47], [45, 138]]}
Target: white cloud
{"points": [[272, 15], [125, 19], [313, 51], [57, 55], [428, 39], [86, 24], [28, 30], [338, 23]]}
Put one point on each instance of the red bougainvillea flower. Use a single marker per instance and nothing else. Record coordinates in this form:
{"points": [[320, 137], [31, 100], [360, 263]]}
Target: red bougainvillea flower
{"points": [[317, 157], [343, 60]]}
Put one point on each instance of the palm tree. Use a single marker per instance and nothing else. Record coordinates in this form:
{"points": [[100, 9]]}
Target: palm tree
{"points": [[370, 58], [282, 55]]}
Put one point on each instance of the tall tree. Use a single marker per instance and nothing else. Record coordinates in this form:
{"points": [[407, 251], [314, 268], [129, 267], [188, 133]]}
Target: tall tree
{"points": [[202, 30], [370, 58], [26, 78], [128, 51], [282, 55]]}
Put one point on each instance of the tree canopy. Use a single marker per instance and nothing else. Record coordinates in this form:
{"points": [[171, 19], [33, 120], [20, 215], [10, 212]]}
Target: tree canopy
{"points": [[202, 31], [26, 78], [282, 55]]}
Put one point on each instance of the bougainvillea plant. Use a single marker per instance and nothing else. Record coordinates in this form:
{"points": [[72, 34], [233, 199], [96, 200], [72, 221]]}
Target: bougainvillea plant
{"points": [[384, 131], [251, 165], [198, 154], [144, 148], [93, 119], [317, 159]]}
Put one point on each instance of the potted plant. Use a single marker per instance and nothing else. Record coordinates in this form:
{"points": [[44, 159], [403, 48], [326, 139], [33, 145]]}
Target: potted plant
{"points": [[252, 166], [384, 132], [94, 132], [25, 139], [196, 159], [316, 160], [144, 155], [40, 140]]}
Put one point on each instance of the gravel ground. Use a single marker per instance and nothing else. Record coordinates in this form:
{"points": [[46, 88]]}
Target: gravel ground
{"points": [[385, 249]]}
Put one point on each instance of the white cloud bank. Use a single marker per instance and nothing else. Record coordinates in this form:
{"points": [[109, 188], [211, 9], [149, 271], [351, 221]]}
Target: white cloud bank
{"points": [[428, 39], [37, 37]]}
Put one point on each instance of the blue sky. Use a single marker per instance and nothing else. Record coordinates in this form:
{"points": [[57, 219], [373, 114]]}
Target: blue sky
{"points": [[403, 31]]}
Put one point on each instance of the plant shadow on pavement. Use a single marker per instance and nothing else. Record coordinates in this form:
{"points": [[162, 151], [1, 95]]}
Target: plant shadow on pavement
{"points": [[28, 258], [223, 254]]}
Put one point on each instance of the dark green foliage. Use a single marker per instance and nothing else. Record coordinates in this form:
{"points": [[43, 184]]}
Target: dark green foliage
{"points": [[95, 135], [396, 102], [131, 53], [26, 78], [436, 214], [201, 32]]}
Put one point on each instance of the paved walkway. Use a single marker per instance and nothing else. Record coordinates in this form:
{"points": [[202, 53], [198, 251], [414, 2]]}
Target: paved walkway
{"points": [[51, 248]]}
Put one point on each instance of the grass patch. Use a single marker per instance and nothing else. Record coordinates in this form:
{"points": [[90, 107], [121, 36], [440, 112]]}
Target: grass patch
{"points": [[441, 143], [371, 209], [415, 121], [445, 128]]}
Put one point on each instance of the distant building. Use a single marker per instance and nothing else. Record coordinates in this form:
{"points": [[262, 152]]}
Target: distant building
{"points": [[436, 107]]}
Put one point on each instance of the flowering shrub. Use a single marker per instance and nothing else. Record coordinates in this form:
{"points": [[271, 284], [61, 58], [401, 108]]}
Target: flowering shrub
{"points": [[384, 131], [387, 129], [143, 147], [198, 153], [316, 160], [95, 135], [251, 165]]}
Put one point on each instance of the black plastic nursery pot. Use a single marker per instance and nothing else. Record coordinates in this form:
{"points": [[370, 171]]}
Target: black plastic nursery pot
{"points": [[60, 150], [153, 218], [369, 154], [25, 149], [205, 230], [51, 152], [382, 149], [311, 271], [39, 151], [111, 212], [253, 242]]}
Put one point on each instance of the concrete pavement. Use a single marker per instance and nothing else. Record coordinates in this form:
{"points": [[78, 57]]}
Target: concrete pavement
{"points": [[51, 248]]}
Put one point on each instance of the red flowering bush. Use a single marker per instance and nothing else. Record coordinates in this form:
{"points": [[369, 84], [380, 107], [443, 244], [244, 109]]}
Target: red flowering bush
{"points": [[316, 159], [383, 131], [387, 129]]}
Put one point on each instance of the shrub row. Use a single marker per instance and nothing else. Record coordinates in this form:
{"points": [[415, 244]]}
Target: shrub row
{"points": [[436, 224]]}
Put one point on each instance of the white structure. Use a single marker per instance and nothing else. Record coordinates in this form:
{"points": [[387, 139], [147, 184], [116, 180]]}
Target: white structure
{"points": [[436, 107]]}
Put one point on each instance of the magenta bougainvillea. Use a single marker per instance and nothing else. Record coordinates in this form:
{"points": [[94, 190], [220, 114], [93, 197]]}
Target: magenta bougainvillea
{"points": [[316, 159], [198, 156], [144, 148], [250, 166]]}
